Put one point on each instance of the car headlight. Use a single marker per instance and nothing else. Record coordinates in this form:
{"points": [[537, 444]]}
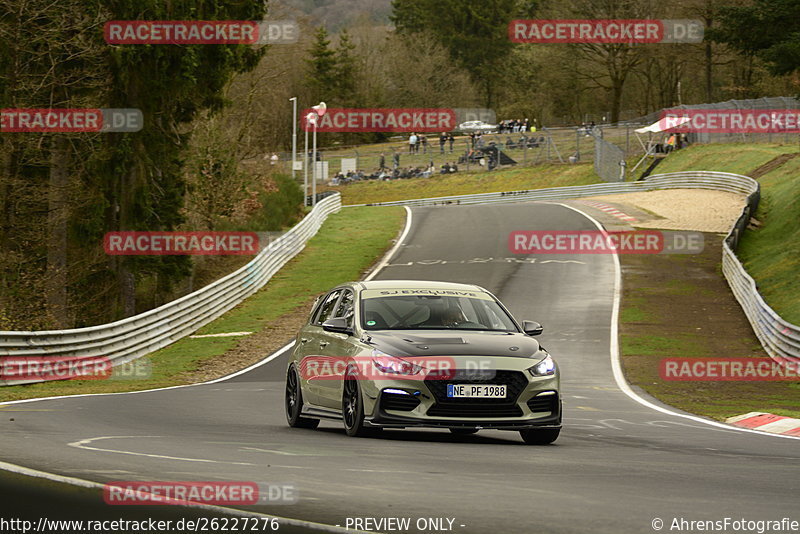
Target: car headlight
{"points": [[392, 365], [546, 367]]}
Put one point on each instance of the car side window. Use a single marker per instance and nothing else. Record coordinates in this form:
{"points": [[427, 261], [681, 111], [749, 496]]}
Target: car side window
{"points": [[328, 305], [315, 308], [346, 307]]}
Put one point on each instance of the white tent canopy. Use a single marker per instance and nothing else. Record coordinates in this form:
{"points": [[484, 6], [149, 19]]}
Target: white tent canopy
{"points": [[664, 125]]}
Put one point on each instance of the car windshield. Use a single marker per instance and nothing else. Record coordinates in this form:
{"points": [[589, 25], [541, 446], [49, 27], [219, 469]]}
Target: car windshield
{"points": [[424, 309]]}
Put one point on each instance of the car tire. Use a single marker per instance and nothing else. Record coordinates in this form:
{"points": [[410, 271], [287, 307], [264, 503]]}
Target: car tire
{"points": [[463, 431], [352, 406], [294, 402], [540, 436]]}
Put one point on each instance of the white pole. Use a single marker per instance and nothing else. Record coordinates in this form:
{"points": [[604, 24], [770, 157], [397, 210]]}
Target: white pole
{"points": [[314, 182], [294, 132], [305, 170]]}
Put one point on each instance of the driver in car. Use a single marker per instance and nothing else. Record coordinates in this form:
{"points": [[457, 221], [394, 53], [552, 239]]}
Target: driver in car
{"points": [[452, 317]]}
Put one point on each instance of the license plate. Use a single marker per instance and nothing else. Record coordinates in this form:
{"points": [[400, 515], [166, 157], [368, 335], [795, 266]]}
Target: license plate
{"points": [[482, 391]]}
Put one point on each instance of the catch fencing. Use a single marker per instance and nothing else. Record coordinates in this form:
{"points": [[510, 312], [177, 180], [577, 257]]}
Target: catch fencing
{"points": [[767, 103], [779, 338], [128, 339], [609, 159]]}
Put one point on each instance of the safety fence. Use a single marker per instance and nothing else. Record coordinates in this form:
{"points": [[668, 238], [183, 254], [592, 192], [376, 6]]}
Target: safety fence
{"points": [[609, 159], [125, 340], [775, 103], [780, 338]]}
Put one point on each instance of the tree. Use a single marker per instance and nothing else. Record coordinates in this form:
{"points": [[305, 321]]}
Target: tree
{"points": [[475, 32], [607, 66], [346, 69], [322, 69], [59, 193], [171, 85], [769, 29]]}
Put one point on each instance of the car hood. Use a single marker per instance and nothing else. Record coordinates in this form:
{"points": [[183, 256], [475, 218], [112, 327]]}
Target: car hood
{"points": [[453, 343]]}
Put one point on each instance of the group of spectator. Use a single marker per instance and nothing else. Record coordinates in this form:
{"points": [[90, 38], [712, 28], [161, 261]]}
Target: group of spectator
{"points": [[516, 126], [524, 142], [445, 138], [476, 140], [396, 174], [587, 128], [672, 142], [420, 141]]}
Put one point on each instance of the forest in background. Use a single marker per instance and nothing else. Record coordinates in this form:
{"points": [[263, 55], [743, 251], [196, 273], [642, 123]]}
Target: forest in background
{"points": [[210, 109]]}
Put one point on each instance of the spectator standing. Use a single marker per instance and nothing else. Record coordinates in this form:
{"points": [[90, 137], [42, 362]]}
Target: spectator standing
{"points": [[452, 140], [396, 160], [424, 142], [412, 143], [382, 162], [442, 141]]}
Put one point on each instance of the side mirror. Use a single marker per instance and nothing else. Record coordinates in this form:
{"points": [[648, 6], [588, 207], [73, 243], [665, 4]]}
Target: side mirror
{"points": [[337, 324], [531, 328]]}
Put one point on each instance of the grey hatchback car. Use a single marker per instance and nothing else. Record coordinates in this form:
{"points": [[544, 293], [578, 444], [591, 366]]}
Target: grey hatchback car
{"points": [[396, 354]]}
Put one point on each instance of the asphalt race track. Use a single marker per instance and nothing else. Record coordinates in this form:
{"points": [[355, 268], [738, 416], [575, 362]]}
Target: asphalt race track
{"points": [[617, 466]]}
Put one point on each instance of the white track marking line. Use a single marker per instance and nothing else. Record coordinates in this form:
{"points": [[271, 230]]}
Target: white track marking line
{"points": [[84, 445], [211, 508], [616, 367], [389, 255]]}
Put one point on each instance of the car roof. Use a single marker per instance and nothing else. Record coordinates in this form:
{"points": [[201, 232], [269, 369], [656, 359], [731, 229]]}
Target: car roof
{"points": [[417, 284]]}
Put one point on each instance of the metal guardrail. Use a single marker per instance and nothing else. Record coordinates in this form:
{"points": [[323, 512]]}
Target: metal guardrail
{"points": [[779, 338], [125, 340], [684, 180]]}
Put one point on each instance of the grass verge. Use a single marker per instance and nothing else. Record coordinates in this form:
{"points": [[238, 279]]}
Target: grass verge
{"points": [[736, 158], [680, 306], [514, 179], [355, 238], [771, 252]]}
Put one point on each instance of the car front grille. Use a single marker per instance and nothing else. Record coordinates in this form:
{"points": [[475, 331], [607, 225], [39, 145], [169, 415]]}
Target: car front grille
{"points": [[399, 402], [544, 403], [445, 406], [474, 410]]}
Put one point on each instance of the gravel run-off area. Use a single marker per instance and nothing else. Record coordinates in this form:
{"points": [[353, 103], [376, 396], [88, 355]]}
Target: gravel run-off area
{"points": [[700, 210]]}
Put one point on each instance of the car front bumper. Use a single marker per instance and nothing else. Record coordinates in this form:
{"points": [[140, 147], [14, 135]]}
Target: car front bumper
{"points": [[534, 403]]}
